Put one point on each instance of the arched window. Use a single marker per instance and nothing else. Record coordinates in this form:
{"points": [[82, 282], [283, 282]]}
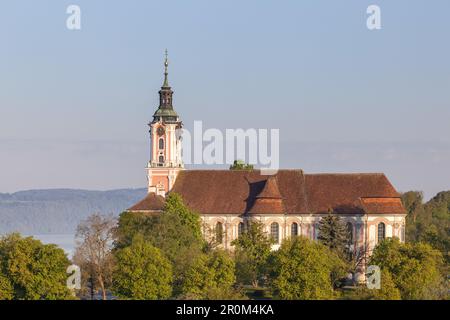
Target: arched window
{"points": [[294, 229], [350, 232], [274, 232], [316, 231], [161, 159], [219, 232], [161, 143], [381, 231], [241, 228]]}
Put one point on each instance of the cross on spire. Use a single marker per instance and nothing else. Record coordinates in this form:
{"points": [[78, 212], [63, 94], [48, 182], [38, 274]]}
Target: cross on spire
{"points": [[166, 65]]}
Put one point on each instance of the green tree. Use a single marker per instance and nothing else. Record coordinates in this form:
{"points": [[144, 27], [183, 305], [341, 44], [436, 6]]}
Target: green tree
{"points": [[305, 269], [35, 271], [387, 291], [415, 268], [175, 205], [429, 222], [142, 272], [176, 232], [417, 218], [210, 274], [413, 203], [6, 288], [252, 250], [437, 233], [241, 165], [130, 224], [333, 234]]}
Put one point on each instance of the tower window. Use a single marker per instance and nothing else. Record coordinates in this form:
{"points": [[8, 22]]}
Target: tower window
{"points": [[274, 232], [161, 144], [294, 229], [219, 232], [161, 159], [381, 231]]}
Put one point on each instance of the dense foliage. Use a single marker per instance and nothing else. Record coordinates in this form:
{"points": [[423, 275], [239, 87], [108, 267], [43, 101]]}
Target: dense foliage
{"points": [[429, 222], [142, 272], [210, 274], [241, 165], [252, 251], [160, 256], [305, 269], [387, 291], [30, 270], [416, 268], [333, 234], [176, 233]]}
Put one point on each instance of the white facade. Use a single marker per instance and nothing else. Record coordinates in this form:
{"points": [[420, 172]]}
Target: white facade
{"points": [[365, 228]]}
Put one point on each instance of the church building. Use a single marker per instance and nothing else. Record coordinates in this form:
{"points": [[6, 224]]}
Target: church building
{"points": [[288, 203]]}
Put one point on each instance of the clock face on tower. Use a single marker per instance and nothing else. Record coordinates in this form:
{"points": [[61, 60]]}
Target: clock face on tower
{"points": [[160, 131]]}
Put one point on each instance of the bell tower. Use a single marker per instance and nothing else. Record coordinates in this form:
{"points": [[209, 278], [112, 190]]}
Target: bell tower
{"points": [[165, 151]]}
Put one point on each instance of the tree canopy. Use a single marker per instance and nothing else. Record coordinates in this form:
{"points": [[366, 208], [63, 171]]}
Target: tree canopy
{"points": [[209, 274], [387, 290], [333, 234], [252, 250], [31, 270], [305, 269], [416, 268], [176, 232], [142, 272], [429, 222], [241, 165], [6, 288]]}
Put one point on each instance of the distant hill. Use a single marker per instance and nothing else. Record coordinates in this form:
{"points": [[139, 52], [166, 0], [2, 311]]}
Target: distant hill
{"points": [[58, 211]]}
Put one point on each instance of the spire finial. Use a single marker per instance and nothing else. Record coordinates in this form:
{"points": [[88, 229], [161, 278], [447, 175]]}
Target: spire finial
{"points": [[166, 64]]}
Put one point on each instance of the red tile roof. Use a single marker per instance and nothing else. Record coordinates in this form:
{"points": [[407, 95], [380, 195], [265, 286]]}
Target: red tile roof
{"points": [[151, 202], [342, 192], [382, 205], [289, 191], [269, 200]]}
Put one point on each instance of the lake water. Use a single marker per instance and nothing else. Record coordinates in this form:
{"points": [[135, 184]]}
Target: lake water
{"points": [[64, 241]]}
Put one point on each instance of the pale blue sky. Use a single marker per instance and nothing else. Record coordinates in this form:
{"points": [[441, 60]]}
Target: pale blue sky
{"points": [[74, 104]]}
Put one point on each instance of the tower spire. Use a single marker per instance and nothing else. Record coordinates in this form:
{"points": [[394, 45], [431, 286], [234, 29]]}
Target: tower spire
{"points": [[165, 157], [165, 110], [166, 65]]}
